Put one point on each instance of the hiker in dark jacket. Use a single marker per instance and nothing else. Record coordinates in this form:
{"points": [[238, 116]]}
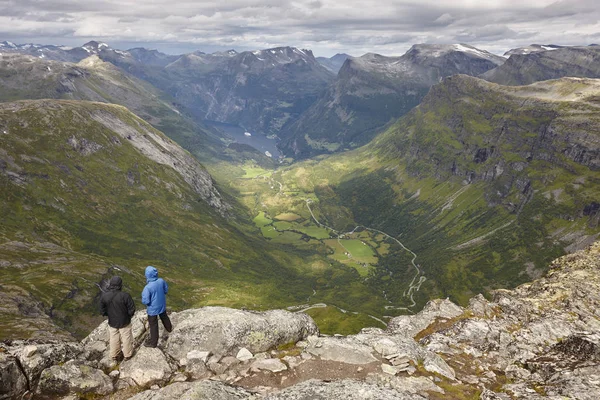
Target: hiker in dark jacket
{"points": [[154, 297], [119, 308]]}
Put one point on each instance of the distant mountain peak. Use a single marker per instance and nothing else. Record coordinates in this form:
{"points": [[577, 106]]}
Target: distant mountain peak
{"points": [[533, 48], [94, 46], [8, 44]]}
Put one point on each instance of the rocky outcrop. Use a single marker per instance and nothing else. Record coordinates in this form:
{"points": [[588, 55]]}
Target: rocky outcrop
{"points": [[74, 377], [224, 331], [537, 341]]}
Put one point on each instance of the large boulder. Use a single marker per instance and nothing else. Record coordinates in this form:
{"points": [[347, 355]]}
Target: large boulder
{"points": [[74, 377], [12, 381], [342, 349], [410, 325], [147, 367], [224, 331], [346, 389], [201, 390]]}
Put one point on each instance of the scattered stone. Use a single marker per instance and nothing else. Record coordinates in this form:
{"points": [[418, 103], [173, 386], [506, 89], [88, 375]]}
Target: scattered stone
{"points": [[389, 369], [270, 364], [200, 355], [114, 374], [244, 354], [179, 377]]}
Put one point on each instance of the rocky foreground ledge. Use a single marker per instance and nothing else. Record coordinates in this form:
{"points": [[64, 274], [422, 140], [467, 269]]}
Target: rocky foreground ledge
{"points": [[540, 340]]}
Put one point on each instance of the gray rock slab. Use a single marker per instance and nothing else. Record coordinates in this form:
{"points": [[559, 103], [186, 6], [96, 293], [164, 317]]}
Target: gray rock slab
{"points": [[224, 331], [74, 377], [410, 325], [12, 380], [343, 350]]}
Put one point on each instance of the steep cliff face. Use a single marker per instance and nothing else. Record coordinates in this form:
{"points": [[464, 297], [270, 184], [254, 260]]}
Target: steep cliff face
{"points": [[261, 90], [372, 90], [551, 63], [537, 341]]}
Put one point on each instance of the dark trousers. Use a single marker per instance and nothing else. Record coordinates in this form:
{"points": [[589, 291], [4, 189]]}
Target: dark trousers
{"points": [[153, 322]]}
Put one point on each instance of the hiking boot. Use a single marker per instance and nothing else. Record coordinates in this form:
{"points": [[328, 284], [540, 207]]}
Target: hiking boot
{"points": [[147, 344]]}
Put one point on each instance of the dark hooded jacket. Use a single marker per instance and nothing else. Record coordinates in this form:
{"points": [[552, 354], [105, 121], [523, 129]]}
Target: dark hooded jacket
{"points": [[117, 305]]}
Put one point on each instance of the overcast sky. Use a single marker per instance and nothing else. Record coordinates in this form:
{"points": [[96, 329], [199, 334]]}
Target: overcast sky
{"points": [[327, 27]]}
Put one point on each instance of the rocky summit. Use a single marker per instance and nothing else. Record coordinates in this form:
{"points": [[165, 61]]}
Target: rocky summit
{"points": [[540, 340]]}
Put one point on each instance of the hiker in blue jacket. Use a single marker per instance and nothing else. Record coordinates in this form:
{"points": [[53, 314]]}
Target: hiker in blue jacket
{"points": [[154, 297]]}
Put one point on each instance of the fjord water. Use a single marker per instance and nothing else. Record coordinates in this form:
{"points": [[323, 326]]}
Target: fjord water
{"points": [[258, 141]]}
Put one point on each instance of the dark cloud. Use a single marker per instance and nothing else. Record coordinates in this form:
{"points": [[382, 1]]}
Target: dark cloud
{"points": [[326, 26]]}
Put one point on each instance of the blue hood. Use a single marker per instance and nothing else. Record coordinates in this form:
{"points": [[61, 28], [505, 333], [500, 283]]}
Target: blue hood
{"points": [[151, 274]]}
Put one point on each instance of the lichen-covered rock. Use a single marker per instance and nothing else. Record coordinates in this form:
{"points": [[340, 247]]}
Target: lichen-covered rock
{"points": [[44, 356], [73, 377], [225, 331], [147, 367], [202, 390], [346, 389], [13, 382]]}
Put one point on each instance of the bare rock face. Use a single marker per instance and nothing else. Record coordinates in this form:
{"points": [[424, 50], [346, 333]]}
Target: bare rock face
{"points": [[201, 390], [225, 331], [541, 335], [74, 377], [33, 359]]}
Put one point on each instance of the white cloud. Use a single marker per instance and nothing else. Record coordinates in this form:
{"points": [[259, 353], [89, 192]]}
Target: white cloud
{"points": [[326, 26]]}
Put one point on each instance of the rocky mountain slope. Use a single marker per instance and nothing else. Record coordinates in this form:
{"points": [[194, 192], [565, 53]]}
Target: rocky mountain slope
{"points": [[260, 90], [90, 188], [28, 77], [373, 90], [483, 184], [333, 63], [553, 63], [537, 341], [534, 48]]}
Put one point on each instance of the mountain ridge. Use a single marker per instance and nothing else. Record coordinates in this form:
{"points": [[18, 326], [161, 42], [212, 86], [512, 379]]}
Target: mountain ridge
{"points": [[373, 90]]}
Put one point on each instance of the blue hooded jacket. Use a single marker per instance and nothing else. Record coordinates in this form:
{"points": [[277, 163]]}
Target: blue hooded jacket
{"points": [[153, 295]]}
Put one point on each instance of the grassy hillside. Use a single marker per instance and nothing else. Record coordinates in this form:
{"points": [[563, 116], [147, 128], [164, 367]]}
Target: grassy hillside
{"points": [[483, 183], [24, 77], [90, 190]]}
